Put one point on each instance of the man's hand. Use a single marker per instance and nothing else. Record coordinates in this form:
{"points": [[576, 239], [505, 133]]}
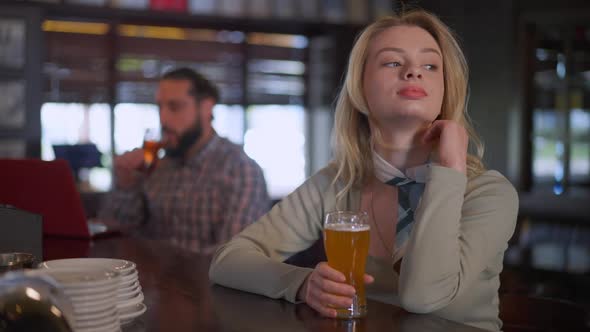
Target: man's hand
{"points": [[127, 168], [326, 288]]}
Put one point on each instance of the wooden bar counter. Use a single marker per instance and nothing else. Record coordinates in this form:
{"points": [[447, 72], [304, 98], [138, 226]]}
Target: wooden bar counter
{"points": [[180, 297]]}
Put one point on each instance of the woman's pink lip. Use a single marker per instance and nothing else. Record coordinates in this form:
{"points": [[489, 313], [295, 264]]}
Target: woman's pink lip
{"points": [[412, 92]]}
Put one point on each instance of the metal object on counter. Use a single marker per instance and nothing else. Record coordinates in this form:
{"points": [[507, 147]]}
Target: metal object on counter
{"points": [[33, 304], [16, 261]]}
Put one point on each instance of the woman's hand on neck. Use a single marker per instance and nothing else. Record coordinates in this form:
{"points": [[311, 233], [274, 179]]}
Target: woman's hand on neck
{"points": [[452, 140]]}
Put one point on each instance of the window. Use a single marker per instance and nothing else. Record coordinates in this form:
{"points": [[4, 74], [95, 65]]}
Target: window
{"points": [[228, 121], [561, 108], [282, 158], [85, 124], [261, 78]]}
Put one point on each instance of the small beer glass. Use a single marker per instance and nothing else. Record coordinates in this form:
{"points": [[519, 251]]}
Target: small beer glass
{"points": [[151, 146]]}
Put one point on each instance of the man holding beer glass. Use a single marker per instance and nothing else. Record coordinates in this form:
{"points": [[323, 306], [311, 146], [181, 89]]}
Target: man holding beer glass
{"points": [[205, 189], [439, 222]]}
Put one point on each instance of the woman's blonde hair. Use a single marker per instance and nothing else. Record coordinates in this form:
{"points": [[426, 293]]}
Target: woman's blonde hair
{"points": [[352, 134]]}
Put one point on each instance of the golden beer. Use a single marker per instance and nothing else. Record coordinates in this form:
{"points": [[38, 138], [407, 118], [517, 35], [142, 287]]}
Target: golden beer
{"points": [[151, 146], [150, 153], [347, 245]]}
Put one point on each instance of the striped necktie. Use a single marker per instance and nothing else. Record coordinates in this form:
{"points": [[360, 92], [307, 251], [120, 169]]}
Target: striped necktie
{"points": [[410, 188], [408, 191]]}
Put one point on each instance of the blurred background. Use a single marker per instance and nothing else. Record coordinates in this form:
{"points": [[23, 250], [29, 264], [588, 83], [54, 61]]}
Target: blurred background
{"points": [[77, 80]]}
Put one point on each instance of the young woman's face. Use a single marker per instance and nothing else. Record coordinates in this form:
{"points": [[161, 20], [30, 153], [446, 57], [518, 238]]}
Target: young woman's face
{"points": [[403, 77]]}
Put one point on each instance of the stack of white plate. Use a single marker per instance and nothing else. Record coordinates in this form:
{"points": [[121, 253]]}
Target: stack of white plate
{"points": [[128, 297], [92, 292]]}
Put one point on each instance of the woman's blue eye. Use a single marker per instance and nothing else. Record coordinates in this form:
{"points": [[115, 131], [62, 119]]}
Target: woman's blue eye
{"points": [[430, 67], [393, 64]]}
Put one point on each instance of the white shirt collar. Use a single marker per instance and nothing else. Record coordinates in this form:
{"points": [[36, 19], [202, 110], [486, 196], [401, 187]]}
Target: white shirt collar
{"points": [[384, 171]]}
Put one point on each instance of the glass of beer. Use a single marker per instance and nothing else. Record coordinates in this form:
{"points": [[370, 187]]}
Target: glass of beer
{"points": [[346, 239], [151, 146]]}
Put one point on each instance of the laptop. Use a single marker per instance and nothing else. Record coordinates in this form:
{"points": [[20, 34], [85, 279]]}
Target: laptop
{"points": [[47, 188]]}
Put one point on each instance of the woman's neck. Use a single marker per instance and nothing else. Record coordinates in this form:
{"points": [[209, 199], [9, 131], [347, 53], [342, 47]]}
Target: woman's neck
{"points": [[403, 147]]}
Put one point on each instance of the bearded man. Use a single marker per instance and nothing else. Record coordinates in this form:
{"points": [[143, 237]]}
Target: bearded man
{"points": [[204, 190]]}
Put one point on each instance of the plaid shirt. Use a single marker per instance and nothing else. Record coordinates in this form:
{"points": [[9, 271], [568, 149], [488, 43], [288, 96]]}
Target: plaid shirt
{"points": [[196, 205]]}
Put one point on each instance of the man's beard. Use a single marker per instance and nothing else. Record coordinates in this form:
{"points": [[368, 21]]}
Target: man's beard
{"points": [[185, 141]]}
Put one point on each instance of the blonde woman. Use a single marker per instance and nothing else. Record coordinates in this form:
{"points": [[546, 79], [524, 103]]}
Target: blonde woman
{"points": [[401, 115]]}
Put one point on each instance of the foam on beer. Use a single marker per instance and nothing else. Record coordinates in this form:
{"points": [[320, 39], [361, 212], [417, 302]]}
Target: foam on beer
{"points": [[348, 227]]}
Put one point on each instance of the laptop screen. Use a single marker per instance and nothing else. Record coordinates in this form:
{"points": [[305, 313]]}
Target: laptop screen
{"points": [[46, 188]]}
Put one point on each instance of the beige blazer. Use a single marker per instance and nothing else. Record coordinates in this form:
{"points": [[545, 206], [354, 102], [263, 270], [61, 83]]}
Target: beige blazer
{"points": [[452, 263]]}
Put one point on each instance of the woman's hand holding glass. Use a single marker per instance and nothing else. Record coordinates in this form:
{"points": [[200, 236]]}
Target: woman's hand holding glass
{"points": [[326, 288]]}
